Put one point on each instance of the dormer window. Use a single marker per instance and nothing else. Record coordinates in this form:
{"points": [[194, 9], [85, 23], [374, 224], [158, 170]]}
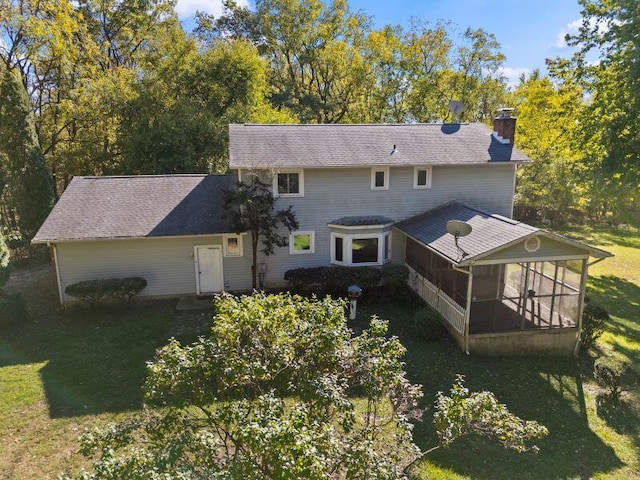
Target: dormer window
{"points": [[380, 178], [289, 183]]}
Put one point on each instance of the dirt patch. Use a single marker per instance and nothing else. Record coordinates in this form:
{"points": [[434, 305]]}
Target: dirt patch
{"points": [[38, 288]]}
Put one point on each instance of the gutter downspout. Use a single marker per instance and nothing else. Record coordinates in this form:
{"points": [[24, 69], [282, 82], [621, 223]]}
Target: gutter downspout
{"points": [[55, 260], [467, 313]]}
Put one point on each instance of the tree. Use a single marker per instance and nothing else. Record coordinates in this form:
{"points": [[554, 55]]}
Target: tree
{"points": [[606, 66], [28, 191], [550, 189], [4, 260], [315, 51], [279, 389], [250, 207]]}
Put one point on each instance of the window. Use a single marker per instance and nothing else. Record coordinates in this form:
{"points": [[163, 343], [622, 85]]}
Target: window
{"points": [[380, 179], [232, 245], [364, 250], [422, 177], [301, 243], [359, 248], [289, 183], [338, 249]]}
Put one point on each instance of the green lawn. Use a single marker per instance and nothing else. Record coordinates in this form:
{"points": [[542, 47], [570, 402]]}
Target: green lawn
{"points": [[64, 372]]}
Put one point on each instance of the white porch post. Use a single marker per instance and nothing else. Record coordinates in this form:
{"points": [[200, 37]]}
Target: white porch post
{"points": [[583, 288], [467, 314]]}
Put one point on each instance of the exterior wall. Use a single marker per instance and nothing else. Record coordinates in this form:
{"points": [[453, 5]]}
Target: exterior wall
{"points": [[333, 193], [167, 264], [548, 248], [559, 342]]}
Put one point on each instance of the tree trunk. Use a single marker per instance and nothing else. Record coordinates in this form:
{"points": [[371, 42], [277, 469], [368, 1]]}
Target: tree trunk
{"points": [[254, 252]]}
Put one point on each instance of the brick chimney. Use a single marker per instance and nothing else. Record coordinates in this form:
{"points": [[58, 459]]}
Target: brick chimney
{"points": [[504, 126]]}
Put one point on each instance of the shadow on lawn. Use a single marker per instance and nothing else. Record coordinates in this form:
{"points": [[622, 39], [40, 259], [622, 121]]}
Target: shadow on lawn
{"points": [[95, 360], [548, 390]]}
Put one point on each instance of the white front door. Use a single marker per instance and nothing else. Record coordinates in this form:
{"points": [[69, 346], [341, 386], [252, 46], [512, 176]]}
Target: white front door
{"points": [[209, 269]]}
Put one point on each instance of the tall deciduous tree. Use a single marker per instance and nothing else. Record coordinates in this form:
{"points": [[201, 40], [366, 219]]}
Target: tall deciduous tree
{"points": [[28, 190], [550, 189], [251, 207], [315, 52], [606, 65]]}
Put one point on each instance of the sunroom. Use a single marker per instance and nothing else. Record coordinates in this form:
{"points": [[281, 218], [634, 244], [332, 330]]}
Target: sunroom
{"points": [[501, 286]]}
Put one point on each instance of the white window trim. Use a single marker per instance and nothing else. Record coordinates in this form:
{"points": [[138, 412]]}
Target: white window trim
{"points": [[300, 173], [225, 250], [415, 178], [312, 242], [375, 170], [347, 248], [333, 248]]}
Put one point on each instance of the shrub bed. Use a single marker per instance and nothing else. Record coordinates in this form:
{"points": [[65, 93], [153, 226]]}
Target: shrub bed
{"points": [[94, 291], [332, 280]]}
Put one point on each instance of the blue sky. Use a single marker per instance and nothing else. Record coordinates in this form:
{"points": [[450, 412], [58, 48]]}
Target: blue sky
{"points": [[528, 30]]}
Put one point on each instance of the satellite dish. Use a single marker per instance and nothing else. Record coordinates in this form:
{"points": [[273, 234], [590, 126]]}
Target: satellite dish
{"points": [[458, 228], [456, 108]]}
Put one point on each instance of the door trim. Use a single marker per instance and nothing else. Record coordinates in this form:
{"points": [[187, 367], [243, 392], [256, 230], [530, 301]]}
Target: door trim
{"points": [[197, 266]]}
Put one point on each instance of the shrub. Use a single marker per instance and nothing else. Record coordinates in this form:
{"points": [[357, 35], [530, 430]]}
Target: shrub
{"points": [[609, 372], [93, 291], [279, 372], [394, 279], [333, 280], [427, 325], [594, 319]]}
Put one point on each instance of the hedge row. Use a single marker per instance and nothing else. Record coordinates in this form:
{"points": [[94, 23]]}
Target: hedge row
{"points": [[336, 279], [93, 291]]}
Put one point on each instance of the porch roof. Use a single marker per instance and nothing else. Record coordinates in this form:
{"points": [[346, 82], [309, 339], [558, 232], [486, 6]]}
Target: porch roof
{"points": [[490, 234]]}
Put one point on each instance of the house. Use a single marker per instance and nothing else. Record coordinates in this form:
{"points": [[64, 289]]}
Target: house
{"points": [[364, 195]]}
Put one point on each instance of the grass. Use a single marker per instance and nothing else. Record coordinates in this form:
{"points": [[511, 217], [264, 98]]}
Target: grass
{"points": [[61, 373]]}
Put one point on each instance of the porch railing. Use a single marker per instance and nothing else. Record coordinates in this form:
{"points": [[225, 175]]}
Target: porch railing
{"points": [[451, 311]]}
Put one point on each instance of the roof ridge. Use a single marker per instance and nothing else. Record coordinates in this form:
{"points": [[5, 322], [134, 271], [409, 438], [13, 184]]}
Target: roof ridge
{"points": [[168, 175]]}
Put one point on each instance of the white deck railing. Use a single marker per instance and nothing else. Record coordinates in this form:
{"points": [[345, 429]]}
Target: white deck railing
{"points": [[450, 310]]}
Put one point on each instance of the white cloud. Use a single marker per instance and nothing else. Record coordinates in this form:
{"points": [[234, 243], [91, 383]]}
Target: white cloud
{"points": [[570, 28], [188, 8], [513, 74]]}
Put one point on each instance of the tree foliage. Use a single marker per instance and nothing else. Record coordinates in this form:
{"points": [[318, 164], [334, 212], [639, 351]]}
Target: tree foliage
{"points": [[280, 388], [606, 66], [27, 192], [251, 207], [463, 413]]}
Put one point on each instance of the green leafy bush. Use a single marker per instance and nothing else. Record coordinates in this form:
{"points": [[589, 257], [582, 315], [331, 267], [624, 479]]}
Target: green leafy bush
{"points": [[427, 325], [394, 279], [463, 413], [93, 291], [594, 319], [279, 372], [609, 372], [332, 280]]}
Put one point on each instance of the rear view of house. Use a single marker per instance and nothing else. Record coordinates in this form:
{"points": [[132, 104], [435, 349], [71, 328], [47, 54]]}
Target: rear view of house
{"points": [[364, 195]]}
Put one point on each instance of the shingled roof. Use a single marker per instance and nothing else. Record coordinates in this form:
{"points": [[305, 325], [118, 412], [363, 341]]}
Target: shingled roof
{"points": [[94, 208], [278, 146], [489, 233]]}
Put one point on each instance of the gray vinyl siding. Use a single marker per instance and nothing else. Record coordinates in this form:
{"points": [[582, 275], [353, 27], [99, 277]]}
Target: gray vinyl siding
{"points": [[333, 193], [167, 264]]}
